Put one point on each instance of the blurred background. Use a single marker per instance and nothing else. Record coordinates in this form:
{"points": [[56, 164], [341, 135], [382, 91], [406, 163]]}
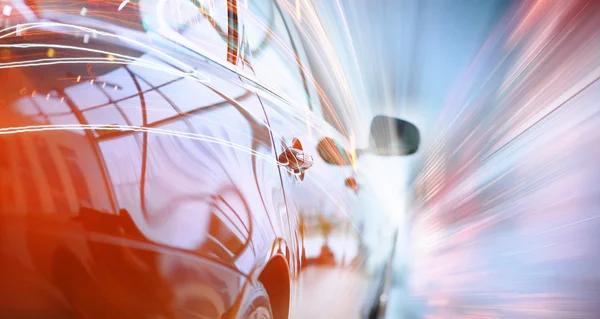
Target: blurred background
{"points": [[498, 211]]}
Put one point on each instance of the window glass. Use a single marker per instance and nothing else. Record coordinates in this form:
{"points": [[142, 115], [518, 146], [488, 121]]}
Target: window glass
{"points": [[201, 25], [276, 54]]}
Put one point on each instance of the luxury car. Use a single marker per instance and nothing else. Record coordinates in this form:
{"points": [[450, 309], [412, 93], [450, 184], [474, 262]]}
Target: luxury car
{"points": [[173, 159]]}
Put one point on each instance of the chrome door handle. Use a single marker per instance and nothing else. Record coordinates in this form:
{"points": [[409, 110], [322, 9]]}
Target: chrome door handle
{"points": [[296, 160]]}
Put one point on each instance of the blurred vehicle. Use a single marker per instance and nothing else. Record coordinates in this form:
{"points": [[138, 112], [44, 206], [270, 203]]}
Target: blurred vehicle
{"points": [[156, 158]]}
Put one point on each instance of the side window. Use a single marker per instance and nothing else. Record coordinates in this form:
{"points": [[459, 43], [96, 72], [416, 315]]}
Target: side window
{"points": [[201, 25], [276, 54]]}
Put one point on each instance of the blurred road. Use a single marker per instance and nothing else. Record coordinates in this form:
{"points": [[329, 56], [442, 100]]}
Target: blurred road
{"points": [[316, 284]]}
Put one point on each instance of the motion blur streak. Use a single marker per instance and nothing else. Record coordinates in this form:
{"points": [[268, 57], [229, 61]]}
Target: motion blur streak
{"points": [[7, 32], [505, 211], [119, 128]]}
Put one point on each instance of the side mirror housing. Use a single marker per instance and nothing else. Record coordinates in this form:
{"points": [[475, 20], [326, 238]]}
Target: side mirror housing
{"points": [[333, 153], [392, 136]]}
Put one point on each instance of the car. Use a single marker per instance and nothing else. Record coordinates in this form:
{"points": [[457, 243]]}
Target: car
{"points": [[172, 159]]}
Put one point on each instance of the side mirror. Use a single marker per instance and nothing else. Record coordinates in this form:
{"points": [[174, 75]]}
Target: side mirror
{"points": [[333, 153], [392, 136], [389, 136]]}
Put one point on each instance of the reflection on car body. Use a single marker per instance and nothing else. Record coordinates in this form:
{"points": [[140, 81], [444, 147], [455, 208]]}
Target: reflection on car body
{"points": [[147, 181]]}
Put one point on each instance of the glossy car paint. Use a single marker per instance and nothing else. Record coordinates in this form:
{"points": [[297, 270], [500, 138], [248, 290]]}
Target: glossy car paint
{"points": [[139, 177]]}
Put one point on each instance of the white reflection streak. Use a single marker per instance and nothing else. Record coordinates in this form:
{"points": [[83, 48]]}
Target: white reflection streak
{"points": [[568, 225], [122, 5], [463, 106], [24, 27], [116, 59], [318, 40], [54, 61], [349, 39], [120, 128], [168, 32]]}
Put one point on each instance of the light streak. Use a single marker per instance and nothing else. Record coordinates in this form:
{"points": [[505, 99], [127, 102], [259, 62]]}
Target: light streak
{"points": [[122, 5], [259, 86], [123, 60], [521, 164], [191, 72], [314, 30], [121, 128], [297, 107], [6, 10]]}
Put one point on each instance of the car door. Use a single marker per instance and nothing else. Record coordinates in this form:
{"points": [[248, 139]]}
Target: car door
{"points": [[322, 199], [165, 167]]}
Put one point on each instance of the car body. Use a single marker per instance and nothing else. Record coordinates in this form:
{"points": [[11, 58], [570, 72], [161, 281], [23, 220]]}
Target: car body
{"points": [[141, 170]]}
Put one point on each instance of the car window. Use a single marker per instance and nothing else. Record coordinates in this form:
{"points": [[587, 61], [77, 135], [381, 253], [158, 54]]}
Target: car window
{"points": [[201, 25], [276, 54]]}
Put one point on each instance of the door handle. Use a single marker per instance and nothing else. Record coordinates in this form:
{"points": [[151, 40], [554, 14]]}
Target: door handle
{"points": [[296, 160]]}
